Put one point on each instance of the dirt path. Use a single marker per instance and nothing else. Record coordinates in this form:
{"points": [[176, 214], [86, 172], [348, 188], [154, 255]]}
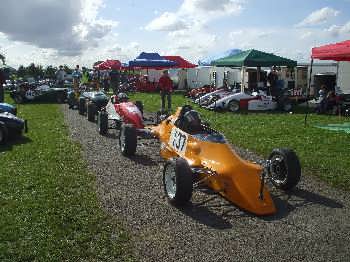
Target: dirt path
{"points": [[312, 223]]}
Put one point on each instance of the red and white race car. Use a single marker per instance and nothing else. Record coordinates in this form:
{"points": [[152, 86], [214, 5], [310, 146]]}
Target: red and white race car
{"points": [[125, 116], [256, 101]]}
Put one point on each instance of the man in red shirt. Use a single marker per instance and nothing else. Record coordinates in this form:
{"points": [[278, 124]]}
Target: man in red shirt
{"points": [[165, 85]]}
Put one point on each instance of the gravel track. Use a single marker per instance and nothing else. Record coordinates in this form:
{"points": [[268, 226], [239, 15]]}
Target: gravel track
{"points": [[312, 223]]}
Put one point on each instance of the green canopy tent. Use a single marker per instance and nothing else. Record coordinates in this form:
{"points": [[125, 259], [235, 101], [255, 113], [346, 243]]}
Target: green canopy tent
{"points": [[254, 58]]}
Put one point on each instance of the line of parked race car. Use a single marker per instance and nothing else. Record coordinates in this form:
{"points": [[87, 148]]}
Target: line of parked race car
{"points": [[233, 99], [196, 155]]}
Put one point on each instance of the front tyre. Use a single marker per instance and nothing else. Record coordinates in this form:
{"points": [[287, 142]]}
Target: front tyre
{"points": [[285, 168], [91, 111], [127, 140], [102, 122], [81, 106], [177, 181]]}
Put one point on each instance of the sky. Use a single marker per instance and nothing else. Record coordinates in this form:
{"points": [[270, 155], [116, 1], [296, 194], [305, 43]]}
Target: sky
{"points": [[54, 32]]}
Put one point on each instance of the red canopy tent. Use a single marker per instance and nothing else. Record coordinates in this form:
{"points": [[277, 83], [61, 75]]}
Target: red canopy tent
{"points": [[337, 52], [113, 64], [109, 64], [180, 62]]}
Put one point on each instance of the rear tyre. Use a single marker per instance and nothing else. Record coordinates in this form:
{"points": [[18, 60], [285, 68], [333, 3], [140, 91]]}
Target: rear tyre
{"points": [[127, 140], [3, 134], [233, 106], [81, 106], [178, 181], [91, 111], [285, 168], [102, 122]]}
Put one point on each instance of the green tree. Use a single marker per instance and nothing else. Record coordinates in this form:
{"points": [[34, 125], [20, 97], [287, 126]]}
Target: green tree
{"points": [[50, 71], [67, 69], [21, 72]]}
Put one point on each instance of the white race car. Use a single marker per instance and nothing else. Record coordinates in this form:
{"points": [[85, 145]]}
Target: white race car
{"points": [[256, 101], [210, 98]]}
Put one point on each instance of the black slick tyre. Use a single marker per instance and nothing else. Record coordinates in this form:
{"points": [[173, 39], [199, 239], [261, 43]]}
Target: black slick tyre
{"points": [[3, 133], [81, 106], [285, 168], [127, 140], [178, 181], [102, 122], [233, 106], [91, 111]]}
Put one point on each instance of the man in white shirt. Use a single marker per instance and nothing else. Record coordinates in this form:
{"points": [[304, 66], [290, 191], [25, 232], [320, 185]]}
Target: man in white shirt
{"points": [[60, 76]]}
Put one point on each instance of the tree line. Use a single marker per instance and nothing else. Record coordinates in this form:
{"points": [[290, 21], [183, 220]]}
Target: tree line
{"points": [[38, 71]]}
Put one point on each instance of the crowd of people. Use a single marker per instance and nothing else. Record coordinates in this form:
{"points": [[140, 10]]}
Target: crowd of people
{"points": [[113, 79], [97, 79]]}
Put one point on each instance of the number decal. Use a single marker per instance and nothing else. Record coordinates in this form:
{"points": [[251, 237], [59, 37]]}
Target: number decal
{"points": [[178, 141]]}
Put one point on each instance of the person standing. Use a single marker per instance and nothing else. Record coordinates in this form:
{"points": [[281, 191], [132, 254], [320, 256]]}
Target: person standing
{"points": [[105, 81], [114, 77], [85, 77], [76, 77], [2, 81], [165, 85], [272, 81], [182, 75], [60, 76]]}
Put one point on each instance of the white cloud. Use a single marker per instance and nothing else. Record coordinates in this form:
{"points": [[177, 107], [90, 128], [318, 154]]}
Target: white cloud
{"points": [[210, 8], [66, 26], [187, 27], [194, 12], [318, 17], [336, 30], [167, 22]]}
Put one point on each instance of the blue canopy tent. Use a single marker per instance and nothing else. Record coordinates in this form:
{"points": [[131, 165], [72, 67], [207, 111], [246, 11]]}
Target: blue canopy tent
{"points": [[151, 61], [209, 59]]}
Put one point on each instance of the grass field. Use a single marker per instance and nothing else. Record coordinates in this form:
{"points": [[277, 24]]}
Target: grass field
{"points": [[48, 205], [322, 153]]}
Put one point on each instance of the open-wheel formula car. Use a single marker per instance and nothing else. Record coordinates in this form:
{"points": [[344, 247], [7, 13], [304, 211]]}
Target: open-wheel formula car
{"points": [[11, 126], [125, 116], [199, 155], [42, 93], [91, 103], [255, 101]]}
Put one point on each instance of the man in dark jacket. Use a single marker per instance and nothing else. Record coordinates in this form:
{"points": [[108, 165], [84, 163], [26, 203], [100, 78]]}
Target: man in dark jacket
{"points": [[165, 85]]}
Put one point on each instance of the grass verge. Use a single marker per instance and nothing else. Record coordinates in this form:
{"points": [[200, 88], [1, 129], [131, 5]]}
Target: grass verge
{"points": [[322, 153], [48, 204]]}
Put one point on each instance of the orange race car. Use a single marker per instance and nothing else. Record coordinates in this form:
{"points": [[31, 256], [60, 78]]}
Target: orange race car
{"points": [[199, 155]]}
